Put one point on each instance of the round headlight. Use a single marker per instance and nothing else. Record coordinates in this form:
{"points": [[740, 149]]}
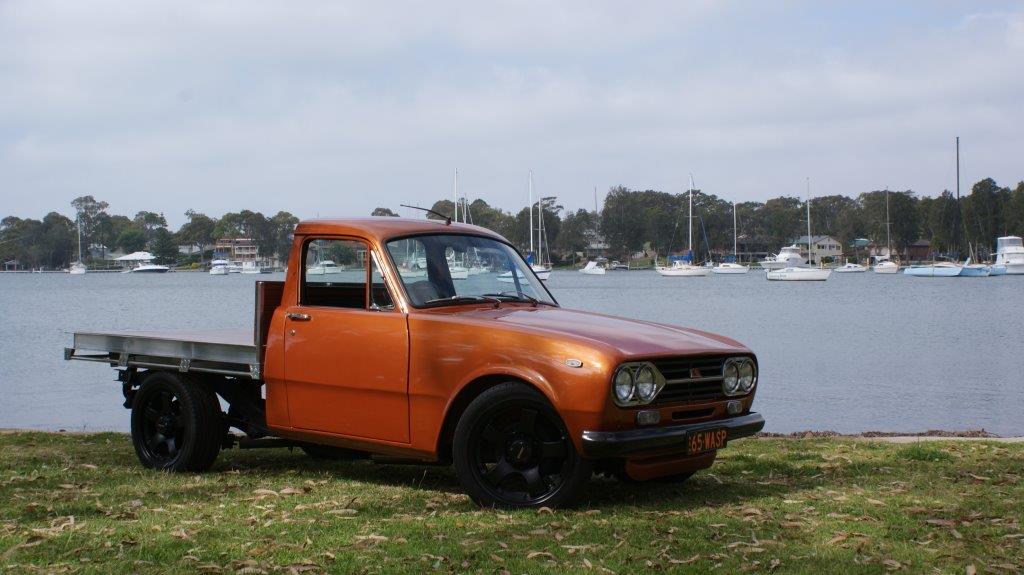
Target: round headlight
{"points": [[624, 385], [746, 369], [730, 377], [646, 386]]}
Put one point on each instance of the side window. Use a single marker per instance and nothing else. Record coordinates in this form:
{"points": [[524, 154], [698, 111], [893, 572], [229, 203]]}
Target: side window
{"points": [[334, 273], [380, 298]]}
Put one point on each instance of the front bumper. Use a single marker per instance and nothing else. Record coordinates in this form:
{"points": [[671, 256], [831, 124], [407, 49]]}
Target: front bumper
{"points": [[660, 440]]}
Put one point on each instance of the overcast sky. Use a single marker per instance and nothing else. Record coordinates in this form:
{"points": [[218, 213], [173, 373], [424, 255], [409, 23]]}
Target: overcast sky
{"points": [[335, 108]]}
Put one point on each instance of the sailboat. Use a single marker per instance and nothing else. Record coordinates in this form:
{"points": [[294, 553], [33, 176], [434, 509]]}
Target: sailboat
{"points": [[732, 267], [887, 266], [802, 274], [543, 271], [942, 269], [78, 268], [457, 270], [685, 267]]}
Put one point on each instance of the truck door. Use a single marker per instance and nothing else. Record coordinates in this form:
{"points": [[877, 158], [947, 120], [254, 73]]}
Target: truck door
{"points": [[346, 346]]}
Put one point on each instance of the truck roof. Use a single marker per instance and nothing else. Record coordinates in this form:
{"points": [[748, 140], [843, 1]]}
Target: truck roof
{"points": [[385, 227]]}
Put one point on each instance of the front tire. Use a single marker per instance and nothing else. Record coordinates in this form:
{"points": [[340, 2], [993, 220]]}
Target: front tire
{"points": [[512, 450], [177, 424]]}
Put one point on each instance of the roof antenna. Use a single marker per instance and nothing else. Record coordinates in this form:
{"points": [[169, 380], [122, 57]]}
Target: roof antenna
{"points": [[447, 219]]}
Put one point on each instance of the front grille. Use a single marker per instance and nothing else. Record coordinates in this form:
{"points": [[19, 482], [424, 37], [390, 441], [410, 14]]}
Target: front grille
{"points": [[690, 379]]}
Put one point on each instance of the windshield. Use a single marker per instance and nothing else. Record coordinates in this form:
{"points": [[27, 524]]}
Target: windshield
{"points": [[446, 269]]}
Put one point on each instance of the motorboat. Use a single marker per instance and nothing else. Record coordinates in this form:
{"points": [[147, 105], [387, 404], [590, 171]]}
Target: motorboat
{"points": [[251, 267], [543, 272], [850, 267], [617, 265], [886, 267], [143, 263], [593, 268], [731, 267], [149, 268], [1010, 253], [796, 273], [219, 267], [323, 268], [934, 270], [799, 274], [788, 257]]}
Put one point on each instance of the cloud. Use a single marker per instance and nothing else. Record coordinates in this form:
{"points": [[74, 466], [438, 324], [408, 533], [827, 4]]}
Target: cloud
{"points": [[335, 108]]}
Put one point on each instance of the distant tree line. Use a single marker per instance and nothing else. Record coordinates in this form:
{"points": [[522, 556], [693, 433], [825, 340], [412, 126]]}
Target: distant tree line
{"points": [[53, 241], [630, 221], [654, 221]]}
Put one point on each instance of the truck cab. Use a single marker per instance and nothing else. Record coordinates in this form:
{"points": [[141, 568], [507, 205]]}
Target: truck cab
{"points": [[435, 342]]}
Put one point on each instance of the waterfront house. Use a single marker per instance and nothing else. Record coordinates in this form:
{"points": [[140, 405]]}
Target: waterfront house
{"points": [[821, 247]]}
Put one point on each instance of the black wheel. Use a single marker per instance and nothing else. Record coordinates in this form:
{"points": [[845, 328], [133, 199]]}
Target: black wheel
{"points": [[331, 453], [512, 450], [177, 424]]}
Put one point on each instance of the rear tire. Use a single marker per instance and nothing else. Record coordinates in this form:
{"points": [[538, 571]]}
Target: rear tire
{"points": [[512, 450], [177, 424]]}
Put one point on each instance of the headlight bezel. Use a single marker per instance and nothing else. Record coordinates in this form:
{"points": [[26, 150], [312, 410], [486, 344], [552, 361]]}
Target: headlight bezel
{"points": [[634, 369], [743, 384]]}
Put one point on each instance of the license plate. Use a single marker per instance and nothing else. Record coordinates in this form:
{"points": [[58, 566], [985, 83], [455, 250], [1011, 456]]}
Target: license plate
{"points": [[705, 441]]}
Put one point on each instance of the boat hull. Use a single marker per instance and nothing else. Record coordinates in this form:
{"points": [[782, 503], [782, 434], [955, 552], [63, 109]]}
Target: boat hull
{"points": [[932, 271], [799, 274], [975, 272], [850, 270], [886, 268], [692, 271], [730, 269], [219, 271]]}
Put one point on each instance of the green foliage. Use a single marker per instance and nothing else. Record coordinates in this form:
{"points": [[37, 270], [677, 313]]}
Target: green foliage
{"points": [[164, 247], [384, 212], [131, 240]]}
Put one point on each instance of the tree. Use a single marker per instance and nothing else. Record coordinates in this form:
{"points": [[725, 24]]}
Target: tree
{"points": [[384, 212], [198, 230], [164, 247], [87, 210], [283, 228], [132, 239]]}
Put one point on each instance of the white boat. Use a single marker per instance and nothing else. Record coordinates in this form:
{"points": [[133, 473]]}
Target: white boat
{"points": [[788, 257], [149, 268], [78, 268], [970, 270], [685, 267], [849, 267], [997, 270], [1010, 253], [617, 265], [219, 267], [681, 268], [143, 263], [543, 271], [887, 266], [458, 272], [935, 270], [251, 267], [799, 274], [732, 267], [323, 268], [802, 273], [593, 268]]}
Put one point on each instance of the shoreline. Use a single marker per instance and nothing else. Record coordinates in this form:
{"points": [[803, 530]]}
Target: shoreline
{"points": [[883, 436]]}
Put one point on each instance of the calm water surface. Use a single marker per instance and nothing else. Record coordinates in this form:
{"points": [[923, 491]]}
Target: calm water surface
{"points": [[859, 352]]}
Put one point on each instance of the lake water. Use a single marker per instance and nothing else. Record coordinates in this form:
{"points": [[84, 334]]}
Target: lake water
{"points": [[859, 352]]}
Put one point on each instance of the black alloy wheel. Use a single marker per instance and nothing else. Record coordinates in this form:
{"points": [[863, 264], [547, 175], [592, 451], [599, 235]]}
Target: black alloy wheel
{"points": [[512, 450], [177, 423]]}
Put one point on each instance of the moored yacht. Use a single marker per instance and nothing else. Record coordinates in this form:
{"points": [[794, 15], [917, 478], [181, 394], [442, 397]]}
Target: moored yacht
{"points": [[886, 267], [685, 267], [801, 273], [850, 267], [788, 257], [219, 267], [732, 267], [1010, 253], [934, 270], [593, 268]]}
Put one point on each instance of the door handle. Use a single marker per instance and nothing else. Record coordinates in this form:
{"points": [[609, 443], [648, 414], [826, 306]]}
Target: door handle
{"points": [[299, 316]]}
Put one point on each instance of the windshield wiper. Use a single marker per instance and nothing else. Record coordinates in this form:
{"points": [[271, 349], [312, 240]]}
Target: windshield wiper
{"points": [[465, 299], [519, 297]]}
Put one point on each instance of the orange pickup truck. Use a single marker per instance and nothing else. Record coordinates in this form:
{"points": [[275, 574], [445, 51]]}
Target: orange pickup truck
{"points": [[427, 341]]}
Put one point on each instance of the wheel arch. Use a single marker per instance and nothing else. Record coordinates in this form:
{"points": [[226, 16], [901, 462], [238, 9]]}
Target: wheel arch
{"points": [[464, 397]]}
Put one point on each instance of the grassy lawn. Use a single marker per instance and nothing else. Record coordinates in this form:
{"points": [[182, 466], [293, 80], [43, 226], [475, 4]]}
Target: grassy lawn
{"points": [[80, 503]]}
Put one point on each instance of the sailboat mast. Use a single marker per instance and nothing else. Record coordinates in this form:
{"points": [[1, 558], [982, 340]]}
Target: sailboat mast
{"points": [[808, 221], [735, 252], [689, 221], [531, 211], [79, 239], [456, 202], [888, 239]]}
